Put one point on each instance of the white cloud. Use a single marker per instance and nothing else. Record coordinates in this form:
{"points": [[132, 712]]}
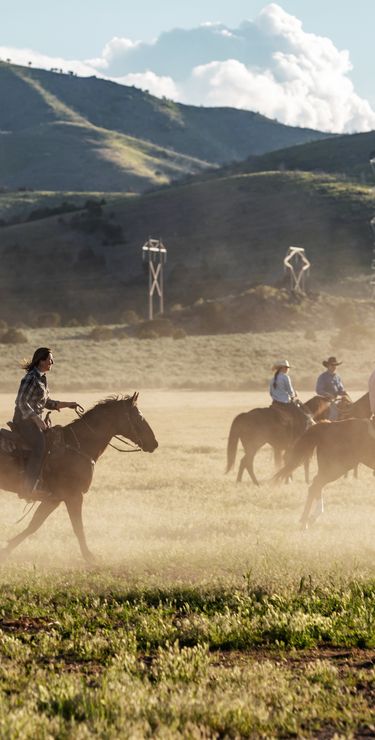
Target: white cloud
{"points": [[156, 85], [271, 65]]}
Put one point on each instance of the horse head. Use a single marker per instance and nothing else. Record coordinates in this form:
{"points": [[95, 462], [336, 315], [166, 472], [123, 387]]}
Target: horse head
{"points": [[133, 425]]}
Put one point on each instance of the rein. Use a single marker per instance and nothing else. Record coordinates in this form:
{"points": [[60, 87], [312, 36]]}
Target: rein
{"points": [[80, 413]]}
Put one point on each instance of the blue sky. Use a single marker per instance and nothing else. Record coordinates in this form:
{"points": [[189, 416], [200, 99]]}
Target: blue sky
{"points": [[80, 29]]}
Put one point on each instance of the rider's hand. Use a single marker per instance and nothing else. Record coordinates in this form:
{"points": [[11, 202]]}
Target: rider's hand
{"points": [[39, 423], [72, 404]]}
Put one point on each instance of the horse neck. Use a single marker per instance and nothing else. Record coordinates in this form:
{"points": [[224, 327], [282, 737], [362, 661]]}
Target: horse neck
{"points": [[361, 408], [93, 431]]}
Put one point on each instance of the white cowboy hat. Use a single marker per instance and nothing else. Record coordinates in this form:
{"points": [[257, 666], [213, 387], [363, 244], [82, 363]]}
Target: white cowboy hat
{"points": [[280, 363]]}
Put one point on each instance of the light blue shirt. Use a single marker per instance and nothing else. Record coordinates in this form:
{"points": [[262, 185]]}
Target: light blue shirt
{"points": [[330, 385], [284, 391]]}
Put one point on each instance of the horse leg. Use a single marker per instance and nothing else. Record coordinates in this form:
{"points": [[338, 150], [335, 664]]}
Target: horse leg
{"points": [[43, 511], [241, 469], [74, 507], [306, 466], [314, 492], [319, 508], [249, 460], [278, 457]]}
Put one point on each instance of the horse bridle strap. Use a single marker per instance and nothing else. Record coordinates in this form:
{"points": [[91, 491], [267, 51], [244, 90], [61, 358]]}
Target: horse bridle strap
{"points": [[80, 412]]}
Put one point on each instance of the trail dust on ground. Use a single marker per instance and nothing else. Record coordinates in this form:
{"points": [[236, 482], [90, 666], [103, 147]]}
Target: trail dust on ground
{"points": [[174, 516]]}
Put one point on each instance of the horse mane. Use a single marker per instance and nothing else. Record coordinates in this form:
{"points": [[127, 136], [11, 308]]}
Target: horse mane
{"points": [[109, 402]]}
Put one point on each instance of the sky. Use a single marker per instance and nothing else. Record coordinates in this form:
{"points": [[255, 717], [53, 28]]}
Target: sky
{"points": [[303, 62]]}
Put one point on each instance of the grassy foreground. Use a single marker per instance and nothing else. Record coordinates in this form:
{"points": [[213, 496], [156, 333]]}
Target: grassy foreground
{"points": [[103, 659]]}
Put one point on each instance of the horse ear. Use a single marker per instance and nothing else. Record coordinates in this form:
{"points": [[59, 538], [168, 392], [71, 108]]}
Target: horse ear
{"points": [[134, 398]]}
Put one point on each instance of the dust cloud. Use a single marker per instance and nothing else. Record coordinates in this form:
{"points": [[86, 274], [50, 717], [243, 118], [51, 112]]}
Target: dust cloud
{"points": [[174, 516]]}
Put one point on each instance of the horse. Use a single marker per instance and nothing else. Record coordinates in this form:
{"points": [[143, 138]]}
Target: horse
{"points": [[354, 410], [268, 426], [340, 447], [68, 473]]}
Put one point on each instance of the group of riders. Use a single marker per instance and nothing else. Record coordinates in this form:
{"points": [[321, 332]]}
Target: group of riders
{"points": [[33, 398], [329, 385]]}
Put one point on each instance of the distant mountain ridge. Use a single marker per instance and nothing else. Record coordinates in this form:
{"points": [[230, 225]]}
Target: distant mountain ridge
{"points": [[62, 132]]}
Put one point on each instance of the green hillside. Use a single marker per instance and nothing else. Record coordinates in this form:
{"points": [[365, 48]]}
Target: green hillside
{"points": [[222, 236], [61, 132], [343, 155]]}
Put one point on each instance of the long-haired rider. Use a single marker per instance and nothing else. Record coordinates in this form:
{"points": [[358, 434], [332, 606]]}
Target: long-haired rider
{"points": [[32, 399]]}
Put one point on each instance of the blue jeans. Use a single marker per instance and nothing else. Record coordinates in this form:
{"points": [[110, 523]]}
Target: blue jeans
{"points": [[34, 437], [333, 412]]}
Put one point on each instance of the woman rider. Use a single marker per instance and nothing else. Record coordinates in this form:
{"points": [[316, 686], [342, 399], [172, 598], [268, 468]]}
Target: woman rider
{"points": [[284, 396], [32, 399]]}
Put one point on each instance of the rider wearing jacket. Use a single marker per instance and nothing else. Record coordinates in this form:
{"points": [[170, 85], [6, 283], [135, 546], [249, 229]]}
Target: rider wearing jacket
{"points": [[32, 399]]}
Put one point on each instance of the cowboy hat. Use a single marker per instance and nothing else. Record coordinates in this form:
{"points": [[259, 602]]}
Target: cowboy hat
{"points": [[331, 361], [280, 363]]}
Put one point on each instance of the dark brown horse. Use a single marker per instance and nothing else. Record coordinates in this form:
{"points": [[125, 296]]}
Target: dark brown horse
{"points": [[358, 410], [269, 426], [340, 447], [68, 475]]}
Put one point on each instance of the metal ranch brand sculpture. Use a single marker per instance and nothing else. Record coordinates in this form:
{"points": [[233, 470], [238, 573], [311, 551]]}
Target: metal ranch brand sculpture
{"points": [[155, 254], [298, 265]]}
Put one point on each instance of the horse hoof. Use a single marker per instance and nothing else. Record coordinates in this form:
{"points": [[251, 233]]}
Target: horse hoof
{"points": [[90, 558]]}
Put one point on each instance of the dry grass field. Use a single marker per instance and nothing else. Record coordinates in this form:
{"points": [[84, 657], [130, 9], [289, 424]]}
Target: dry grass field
{"points": [[209, 614], [226, 362], [174, 515]]}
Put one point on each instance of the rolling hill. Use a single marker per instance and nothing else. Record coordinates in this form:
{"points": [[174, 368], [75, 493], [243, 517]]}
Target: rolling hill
{"points": [[223, 236], [346, 155], [62, 132]]}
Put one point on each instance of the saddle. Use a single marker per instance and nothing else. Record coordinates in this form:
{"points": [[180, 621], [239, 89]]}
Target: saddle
{"points": [[11, 443]]}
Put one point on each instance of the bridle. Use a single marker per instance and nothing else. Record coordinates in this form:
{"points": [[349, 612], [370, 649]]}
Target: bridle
{"points": [[133, 448]]}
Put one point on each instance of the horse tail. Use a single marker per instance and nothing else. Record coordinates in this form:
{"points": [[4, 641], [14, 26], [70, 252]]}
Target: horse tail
{"points": [[233, 439], [301, 452]]}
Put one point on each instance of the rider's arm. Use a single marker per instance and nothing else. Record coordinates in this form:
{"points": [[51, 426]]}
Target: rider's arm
{"points": [[340, 387], [288, 386], [65, 404]]}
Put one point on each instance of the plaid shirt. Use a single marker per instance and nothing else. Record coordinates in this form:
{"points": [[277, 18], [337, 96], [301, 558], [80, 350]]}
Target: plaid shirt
{"points": [[33, 395]]}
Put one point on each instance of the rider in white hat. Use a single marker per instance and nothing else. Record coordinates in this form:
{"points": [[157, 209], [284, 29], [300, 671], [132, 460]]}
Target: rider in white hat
{"points": [[283, 394], [281, 388]]}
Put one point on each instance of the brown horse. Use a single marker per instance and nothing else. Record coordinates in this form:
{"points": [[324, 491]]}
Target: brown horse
{"points": [[269, 426], [68, 474], [354, 410], [340, 447]]}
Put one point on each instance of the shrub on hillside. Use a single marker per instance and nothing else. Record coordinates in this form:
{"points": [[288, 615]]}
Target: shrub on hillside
{"points": [[13, 336], [3, 325], [47, 320], [146, 333], [179, 333], [160, 327], [213, 318], [101, 333], [130, 317]]}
